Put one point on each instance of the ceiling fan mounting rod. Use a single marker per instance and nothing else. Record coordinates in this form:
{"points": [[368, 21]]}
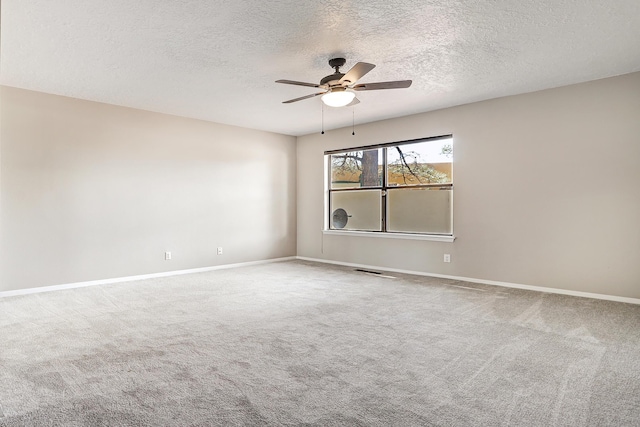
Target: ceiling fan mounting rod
{"points": [[336, 63]]}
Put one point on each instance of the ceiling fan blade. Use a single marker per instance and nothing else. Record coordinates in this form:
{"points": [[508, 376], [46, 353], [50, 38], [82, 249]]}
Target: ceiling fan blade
{"points": [[303, 97], [356, 72], [399, 84], [292, 82], [354, 102]]}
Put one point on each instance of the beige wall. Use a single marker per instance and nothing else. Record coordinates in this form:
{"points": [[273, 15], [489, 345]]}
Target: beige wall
{"points": [[546, 190], [93, 191]]}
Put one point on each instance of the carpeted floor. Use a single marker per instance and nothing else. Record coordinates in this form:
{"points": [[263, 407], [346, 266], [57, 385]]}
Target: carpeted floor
{"points": [[298, 343]]}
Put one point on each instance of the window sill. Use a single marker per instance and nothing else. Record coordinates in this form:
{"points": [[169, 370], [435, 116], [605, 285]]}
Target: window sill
{"points": [[405, 236]]}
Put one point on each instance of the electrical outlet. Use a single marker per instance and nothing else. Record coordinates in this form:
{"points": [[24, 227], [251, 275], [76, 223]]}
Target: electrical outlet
{"points": [[167, 256], [447, 257], [220, 250]]}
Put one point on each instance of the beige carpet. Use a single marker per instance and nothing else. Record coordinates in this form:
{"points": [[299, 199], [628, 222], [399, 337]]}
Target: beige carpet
{"points": [[298, 343]]}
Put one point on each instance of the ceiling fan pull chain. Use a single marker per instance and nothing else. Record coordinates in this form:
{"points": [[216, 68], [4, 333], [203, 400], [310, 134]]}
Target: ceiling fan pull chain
{"points": [[322, 117], [353, 121]]}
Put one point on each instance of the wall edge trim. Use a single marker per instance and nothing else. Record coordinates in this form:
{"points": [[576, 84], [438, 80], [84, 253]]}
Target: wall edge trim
{"points": [[74, 285], [605, 297]]}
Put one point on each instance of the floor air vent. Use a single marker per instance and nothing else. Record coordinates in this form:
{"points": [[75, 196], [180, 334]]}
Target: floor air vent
{"points": [[374, 273]]}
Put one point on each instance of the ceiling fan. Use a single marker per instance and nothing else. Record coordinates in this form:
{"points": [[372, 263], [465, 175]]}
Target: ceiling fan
{"points": [[339, 88]]}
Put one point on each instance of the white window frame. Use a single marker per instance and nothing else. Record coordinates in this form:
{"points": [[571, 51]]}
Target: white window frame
{"points": [[383, 233]]}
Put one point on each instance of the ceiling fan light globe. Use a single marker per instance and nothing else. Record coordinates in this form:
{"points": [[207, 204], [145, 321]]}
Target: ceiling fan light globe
{"points": [[338, 98]]}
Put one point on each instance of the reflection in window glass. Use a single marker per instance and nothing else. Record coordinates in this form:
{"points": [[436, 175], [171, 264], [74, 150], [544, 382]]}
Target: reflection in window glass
{"points": [[357, 169], [362, 209]]}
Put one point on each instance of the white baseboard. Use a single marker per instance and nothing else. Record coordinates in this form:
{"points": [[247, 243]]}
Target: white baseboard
{"points": [[347, 264], [139, 277], [485, 282]]}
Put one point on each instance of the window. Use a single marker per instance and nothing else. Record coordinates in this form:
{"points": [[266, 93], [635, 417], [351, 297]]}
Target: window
{"points": [[400, 187]]}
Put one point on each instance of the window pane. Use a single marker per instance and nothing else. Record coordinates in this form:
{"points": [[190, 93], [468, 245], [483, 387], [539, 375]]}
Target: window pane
{"points": [[356, 169], [419, 210], [427, 162], [361, 210]]}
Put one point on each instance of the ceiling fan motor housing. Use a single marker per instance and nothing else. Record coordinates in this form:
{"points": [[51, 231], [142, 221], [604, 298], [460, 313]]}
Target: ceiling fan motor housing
{"points": [[335, 63], [331, 78]]}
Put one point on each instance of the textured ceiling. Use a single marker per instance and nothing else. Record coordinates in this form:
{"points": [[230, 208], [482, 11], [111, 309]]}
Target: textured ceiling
{"points": [[218, 60]]}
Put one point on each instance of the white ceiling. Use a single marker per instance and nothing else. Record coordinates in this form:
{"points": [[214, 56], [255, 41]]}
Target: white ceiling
{"points": [[217, 60]]}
